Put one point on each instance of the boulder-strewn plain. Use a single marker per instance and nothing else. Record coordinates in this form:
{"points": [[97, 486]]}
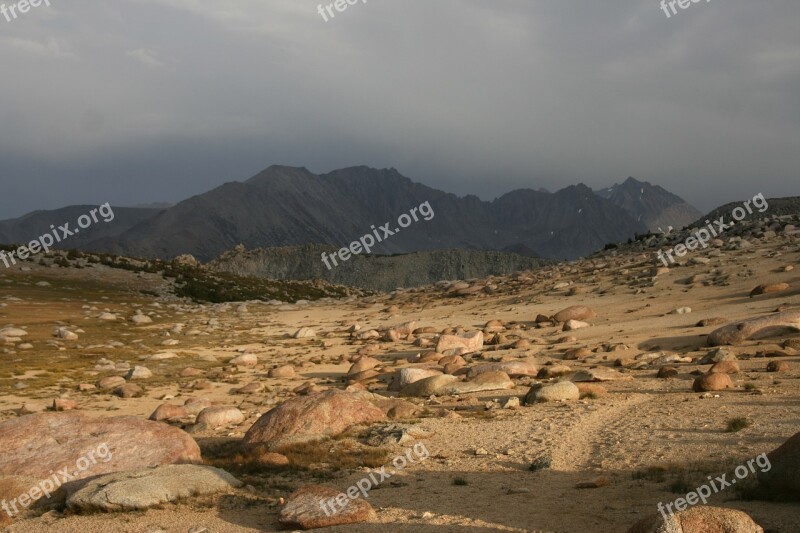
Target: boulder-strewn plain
{"points": [[574, 397]]}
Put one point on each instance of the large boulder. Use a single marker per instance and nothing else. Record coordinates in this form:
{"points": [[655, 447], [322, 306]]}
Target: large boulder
{"points": [[769, 288], [460, 344], [310, 418], [145, 488], [428, 386], [554, 392], [781, 479], [745, 329], [217, 416], [713, 382], [406, 376], [38, 444], [700, 519], [315, 506], [575, 312]]}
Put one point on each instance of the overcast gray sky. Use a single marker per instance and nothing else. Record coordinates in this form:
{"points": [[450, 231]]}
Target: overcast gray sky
{"points": [[137, 101]]}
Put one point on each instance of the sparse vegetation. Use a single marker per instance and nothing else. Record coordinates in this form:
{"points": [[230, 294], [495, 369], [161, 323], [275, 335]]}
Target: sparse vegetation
{"points": [[736, 424]]}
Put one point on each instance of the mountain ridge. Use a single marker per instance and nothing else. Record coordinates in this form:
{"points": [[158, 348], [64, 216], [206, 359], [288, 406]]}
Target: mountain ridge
{"points": [[292, 206]]}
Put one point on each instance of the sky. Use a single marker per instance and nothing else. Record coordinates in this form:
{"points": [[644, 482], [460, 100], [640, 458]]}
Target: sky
{"points": [[140, 101]]}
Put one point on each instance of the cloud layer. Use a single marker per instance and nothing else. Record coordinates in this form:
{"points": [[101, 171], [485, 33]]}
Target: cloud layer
{"points": [[137, 101]]}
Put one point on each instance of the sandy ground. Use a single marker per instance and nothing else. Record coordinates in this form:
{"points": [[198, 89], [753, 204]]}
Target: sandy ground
{"points": [[640, 424]]}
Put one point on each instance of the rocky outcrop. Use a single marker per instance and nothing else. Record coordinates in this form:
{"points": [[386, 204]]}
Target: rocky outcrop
{"points": [[37, 444], [743, 330], [309, 418]]}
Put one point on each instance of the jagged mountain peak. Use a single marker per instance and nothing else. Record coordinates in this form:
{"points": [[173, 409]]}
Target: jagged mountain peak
{"points": [[651, 204]]}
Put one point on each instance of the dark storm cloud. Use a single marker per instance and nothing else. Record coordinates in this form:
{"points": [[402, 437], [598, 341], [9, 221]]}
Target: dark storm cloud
{"points": [[155, 100]]}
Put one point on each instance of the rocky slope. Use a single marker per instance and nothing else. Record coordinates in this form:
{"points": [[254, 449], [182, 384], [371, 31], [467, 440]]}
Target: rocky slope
{"points": [[382, 273], [573, 397]]}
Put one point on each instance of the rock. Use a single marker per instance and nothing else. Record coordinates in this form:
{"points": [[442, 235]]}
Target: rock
{"points": [[575, 312], [139, 372], [246, 359], [186, 260], [717, 355], [777, 366], [485, 381], [363, 363], [141, 319], [285, 371], [310, 418], [195, 405], [402, 330], [190, 372], [743, 330], [574, 354], [572, 325], [220, 416], [128, 390], [35, 445], [10, 489], [700, 519], [304, 333], [12, 332], [250, 388], [555, 392], [366, 375], [725, 367], [512, 368], [431, 357], [591, 389], [65, 334], [681, 311], [395, 408], [781, 481], [451, 359], [162, 356], [770, 288], [428, 386], [272, 459], [64, 404], [712, 382], [596, 483], [460, 344], [599, 374], [667, 372], [107, 316], [512, 403], [303, 509], [553, 371], [169, 412], [145, 488], [406, 376]]}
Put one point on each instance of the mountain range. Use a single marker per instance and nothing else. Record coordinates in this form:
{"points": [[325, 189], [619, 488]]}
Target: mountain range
{"points": [[291, 206]]}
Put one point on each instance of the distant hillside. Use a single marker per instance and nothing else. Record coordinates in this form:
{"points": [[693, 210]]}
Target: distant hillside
{"points": [[381, 273], [651, 204], [28, 227], [789, 205], [288, 206]]}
